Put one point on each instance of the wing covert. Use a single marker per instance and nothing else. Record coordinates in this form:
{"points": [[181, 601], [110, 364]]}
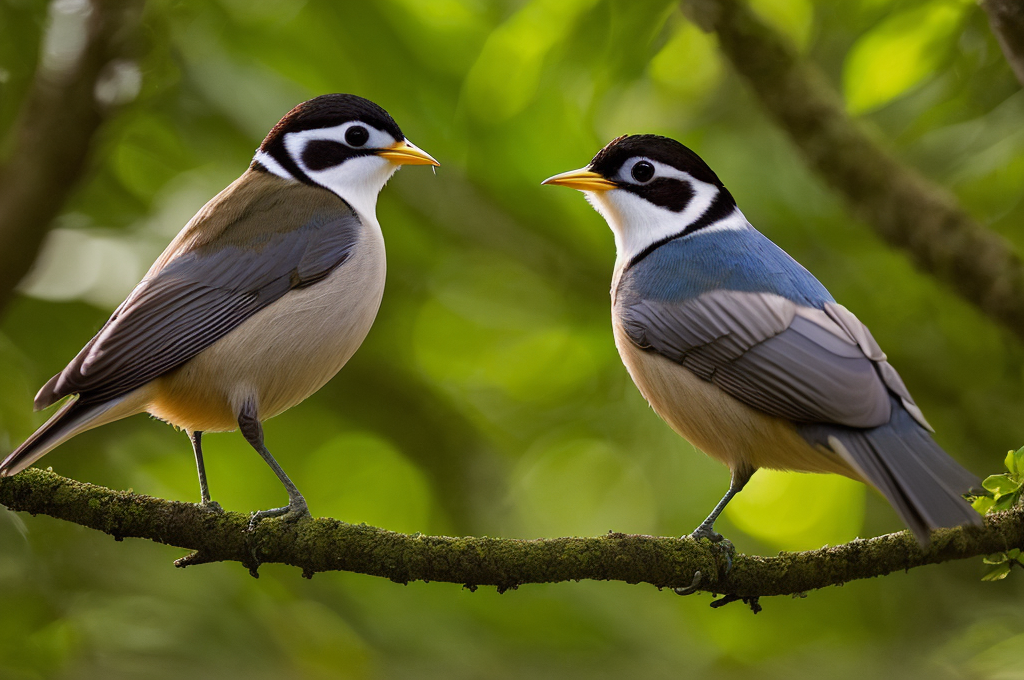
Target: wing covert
{"points": [[785, 359]]}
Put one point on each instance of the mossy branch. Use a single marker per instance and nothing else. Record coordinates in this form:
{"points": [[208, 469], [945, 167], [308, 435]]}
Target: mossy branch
{"points": [[330, 545], [905, 209]]}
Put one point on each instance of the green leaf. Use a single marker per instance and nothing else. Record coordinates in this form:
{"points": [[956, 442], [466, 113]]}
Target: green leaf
{"points": [[1004, 502], [1001, 485], [899, 53], [983, 504], [1011, 462], [995, 558], [1018, 463], [1013, 554], [997, 573]]}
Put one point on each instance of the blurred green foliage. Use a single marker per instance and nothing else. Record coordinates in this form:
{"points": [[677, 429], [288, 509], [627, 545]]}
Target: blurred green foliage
{"points": [[489, 398]]}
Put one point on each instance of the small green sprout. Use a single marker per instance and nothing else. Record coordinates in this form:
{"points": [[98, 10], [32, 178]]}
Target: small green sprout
{"points": [[1002, 492]]}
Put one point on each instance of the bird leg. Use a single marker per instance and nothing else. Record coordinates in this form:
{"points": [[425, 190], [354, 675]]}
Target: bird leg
{"points": [[204, 489], [252, 430], [740, 477]]}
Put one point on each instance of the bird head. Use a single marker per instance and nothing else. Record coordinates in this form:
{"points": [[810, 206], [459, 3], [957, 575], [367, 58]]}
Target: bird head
{"points": [[650, 188], [341, 142]]}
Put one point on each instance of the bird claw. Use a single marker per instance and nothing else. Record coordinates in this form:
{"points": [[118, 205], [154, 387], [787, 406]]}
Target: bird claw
{"points": [[692, 588], [753, 602], [211, 506], [294, 511], [719, 541], [707, 532], [728, 550]]}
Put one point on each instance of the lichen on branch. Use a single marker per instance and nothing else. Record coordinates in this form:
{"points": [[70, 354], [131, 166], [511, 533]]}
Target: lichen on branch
{"points": [[326, 544]]}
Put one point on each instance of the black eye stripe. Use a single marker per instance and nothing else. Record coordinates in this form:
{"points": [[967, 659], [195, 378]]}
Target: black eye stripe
{"points": [[672, 194], [324, 153]]}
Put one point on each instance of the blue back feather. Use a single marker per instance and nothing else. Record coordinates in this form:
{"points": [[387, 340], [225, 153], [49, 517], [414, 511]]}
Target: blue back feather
{"points": [[741, 260]]}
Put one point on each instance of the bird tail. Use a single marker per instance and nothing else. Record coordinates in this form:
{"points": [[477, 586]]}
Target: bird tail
{"points": [[900, 459], [72, 418]]}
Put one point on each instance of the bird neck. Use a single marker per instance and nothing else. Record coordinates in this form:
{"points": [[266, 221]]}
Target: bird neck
{"points": [[358, 181], [639, 226]]}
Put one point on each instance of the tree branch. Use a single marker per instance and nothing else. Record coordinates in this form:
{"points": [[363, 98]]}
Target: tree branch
{"points": [[904, 208], [57, 123], [1006, 17], [329, 545]]}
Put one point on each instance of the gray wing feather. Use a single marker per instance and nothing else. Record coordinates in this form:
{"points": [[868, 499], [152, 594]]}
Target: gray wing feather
{"points": [[705, 332], [195, 300], [808, 374], [845, 319], [762, 349]]}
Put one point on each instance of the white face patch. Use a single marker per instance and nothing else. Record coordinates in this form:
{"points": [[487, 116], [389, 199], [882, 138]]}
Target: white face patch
{"points": [[637, 223], [358, 180], [272, 166], [734, 221]]}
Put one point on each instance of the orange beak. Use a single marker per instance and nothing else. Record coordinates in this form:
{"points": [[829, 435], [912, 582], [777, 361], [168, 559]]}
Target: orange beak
{"points": [[407, 153], [582, 179]]}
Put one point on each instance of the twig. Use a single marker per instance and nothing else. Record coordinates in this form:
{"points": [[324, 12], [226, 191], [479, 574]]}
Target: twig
{"points": [[330, 545]]}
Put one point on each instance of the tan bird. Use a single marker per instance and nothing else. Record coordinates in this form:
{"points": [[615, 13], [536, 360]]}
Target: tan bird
{"points": [[743, 352], [258, 302]]}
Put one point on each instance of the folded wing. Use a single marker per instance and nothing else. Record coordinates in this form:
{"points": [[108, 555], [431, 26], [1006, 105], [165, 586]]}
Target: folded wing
{"points": [[800, 363], [199, 297]]}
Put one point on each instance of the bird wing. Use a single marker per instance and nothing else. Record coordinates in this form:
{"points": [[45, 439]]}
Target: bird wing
{"points": [[203, 292], [801, 363]]}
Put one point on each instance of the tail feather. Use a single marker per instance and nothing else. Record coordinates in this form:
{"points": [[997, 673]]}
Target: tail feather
{"points": [[900, 459], [857, 452], [939, 501], [72, 418]]}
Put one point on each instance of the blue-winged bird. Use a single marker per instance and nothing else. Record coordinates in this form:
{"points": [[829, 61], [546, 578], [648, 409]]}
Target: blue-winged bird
{"points": [[259, 301], [743, 352]]}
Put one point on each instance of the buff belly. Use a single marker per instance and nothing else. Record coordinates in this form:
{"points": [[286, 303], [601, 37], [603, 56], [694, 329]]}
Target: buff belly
{"points": [[282, 354], [718, 424]]}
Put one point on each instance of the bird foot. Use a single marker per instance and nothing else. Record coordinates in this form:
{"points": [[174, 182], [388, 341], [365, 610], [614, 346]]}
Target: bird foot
{"points": [[294, 511], [706, 531], [211, 506], [720, 542]]}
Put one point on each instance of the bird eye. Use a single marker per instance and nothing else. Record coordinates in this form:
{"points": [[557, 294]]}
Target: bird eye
{"points": [[643, 172], [356, 135]]}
